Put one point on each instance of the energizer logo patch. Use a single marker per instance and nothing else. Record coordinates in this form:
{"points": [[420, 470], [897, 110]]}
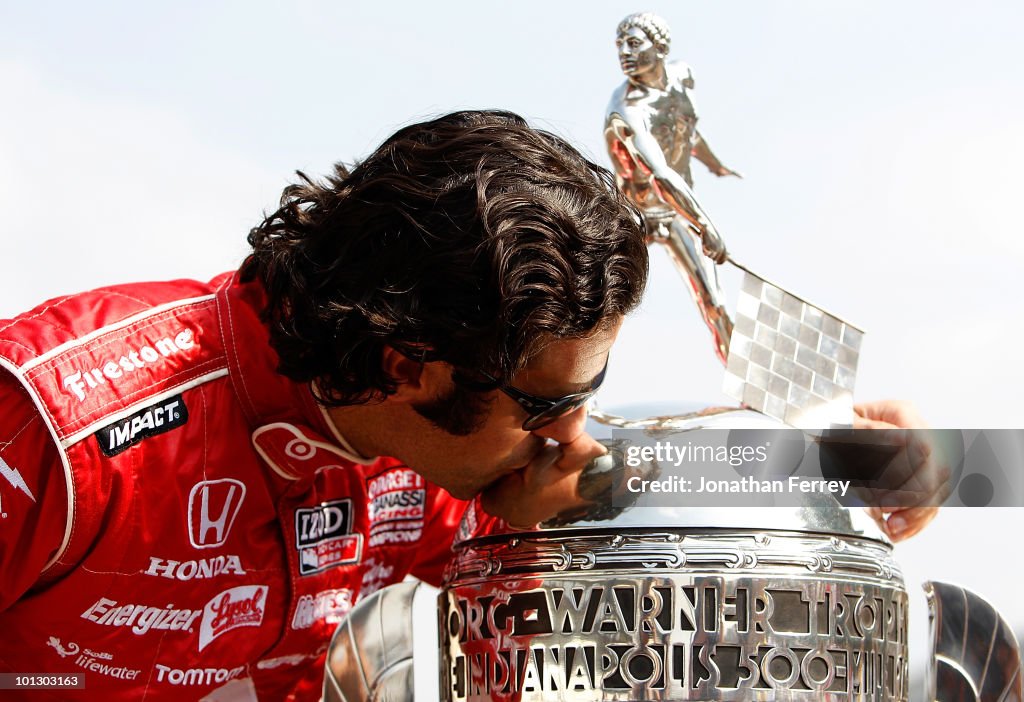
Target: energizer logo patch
{"points": [[156, 419]]}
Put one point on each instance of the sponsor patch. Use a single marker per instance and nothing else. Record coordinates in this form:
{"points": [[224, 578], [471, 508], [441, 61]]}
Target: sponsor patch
{"points": [[201, 568], [331, 606], [212, 508], [140, 618], [239, 606], [323, 536], [376, 576], [397, 503], [16, 480], [81, 380], [156, 419], [93, 661], [271, 663], [196, 676]]}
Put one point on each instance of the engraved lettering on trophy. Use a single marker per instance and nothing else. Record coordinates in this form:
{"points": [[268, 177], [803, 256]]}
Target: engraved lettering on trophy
{"points": [[701, 637]]}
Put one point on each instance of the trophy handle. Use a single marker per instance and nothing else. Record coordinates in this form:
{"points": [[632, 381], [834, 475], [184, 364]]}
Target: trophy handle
{"points": [[975, 656], [371, 654]]}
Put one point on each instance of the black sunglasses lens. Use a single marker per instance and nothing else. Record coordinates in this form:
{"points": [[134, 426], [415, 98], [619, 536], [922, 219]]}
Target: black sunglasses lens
{"points": [[555, 412]]}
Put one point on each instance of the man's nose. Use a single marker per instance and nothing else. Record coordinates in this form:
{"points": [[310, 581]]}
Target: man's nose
{"points": [[566, 428]]}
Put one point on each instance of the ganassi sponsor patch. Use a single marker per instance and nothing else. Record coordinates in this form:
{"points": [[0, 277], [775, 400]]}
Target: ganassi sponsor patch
{"points": [[397, 506], [324, 538], [156, 419]]}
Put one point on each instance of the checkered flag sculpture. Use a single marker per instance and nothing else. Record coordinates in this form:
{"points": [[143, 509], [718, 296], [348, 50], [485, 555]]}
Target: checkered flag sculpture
{"points": [[791, 360]]}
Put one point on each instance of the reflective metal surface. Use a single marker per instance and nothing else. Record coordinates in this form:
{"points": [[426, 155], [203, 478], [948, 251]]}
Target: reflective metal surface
{"points": [[371, 655], [651, 134], [655, 604], [790, 359], [976, 657]]}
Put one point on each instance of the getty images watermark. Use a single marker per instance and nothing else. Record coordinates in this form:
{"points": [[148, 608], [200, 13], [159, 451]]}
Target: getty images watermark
{"points": [[902, 468], [667, 453]]}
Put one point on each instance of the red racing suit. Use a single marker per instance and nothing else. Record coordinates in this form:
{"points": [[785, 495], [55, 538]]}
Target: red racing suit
{"points": [[178, 520]]}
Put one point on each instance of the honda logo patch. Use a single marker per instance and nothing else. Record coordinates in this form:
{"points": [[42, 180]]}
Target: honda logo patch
{"points": [[212, 508]]}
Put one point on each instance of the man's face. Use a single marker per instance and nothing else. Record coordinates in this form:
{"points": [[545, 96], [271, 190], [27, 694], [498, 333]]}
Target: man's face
{"points": [[639, 57], [499, 447]]}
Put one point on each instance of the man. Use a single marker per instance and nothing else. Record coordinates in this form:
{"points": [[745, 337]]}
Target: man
{"points": [[651, 133], [201, 478]]}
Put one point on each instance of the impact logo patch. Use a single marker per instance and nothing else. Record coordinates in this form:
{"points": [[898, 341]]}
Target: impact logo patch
{"points": [[156, 419], [323, 536]]}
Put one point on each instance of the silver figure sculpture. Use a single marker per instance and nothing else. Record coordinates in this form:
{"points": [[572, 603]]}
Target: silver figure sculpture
{"points": [[651, 134]]}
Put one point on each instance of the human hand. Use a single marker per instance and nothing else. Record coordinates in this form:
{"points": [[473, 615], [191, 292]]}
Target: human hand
{"points": [[714, 247], [915, 469], [546, 487]]}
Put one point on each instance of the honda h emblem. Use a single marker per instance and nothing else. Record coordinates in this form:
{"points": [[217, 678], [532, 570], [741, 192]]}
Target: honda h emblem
{"points": [[212, 508]]}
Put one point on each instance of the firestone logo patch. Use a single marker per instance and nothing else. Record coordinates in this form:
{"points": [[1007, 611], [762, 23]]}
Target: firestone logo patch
{"points": [[231, 609], [323, 536], [83, 380]]}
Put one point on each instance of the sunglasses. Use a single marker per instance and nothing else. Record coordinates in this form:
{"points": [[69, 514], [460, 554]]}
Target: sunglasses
{"points": [[540, 411]]}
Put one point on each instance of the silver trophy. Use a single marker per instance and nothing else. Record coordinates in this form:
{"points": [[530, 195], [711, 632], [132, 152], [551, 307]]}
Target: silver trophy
{"points": [[636, 601], [627, 600], [632, 598]]}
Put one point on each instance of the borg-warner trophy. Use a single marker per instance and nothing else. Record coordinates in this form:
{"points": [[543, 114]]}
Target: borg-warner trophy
{"points": [[648, 596]]}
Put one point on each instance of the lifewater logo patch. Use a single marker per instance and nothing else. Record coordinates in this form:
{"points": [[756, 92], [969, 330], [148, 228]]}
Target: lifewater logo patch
{"points": [[156, 419]]}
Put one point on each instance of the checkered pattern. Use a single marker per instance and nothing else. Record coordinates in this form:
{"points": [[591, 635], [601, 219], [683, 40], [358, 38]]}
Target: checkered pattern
{"points": [[791, 360]]}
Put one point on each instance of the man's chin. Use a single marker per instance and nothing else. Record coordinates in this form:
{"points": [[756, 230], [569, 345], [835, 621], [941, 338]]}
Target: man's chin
{"points": [[502, 497]]}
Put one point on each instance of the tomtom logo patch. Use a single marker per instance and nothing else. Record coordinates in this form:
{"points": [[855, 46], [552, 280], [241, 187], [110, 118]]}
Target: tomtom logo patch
{"points": [[213, 506], [323, 538], [150, 421]]}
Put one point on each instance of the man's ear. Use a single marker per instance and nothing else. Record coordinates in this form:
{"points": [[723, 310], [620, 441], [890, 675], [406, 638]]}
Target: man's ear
{"points": [[415, 381]]}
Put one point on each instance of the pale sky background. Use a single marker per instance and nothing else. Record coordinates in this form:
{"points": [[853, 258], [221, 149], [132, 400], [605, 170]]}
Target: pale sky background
{"points": [[881, 144]]}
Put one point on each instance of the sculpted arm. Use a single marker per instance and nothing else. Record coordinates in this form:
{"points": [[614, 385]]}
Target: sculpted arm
{"points": [[671, 187]]}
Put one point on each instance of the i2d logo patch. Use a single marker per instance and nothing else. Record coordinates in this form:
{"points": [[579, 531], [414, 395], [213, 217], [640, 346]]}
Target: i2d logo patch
{"points": [[323, 536], [156, 419]]}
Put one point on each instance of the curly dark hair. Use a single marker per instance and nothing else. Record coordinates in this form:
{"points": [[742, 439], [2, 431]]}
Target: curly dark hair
{"points": [[471, 238]]}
